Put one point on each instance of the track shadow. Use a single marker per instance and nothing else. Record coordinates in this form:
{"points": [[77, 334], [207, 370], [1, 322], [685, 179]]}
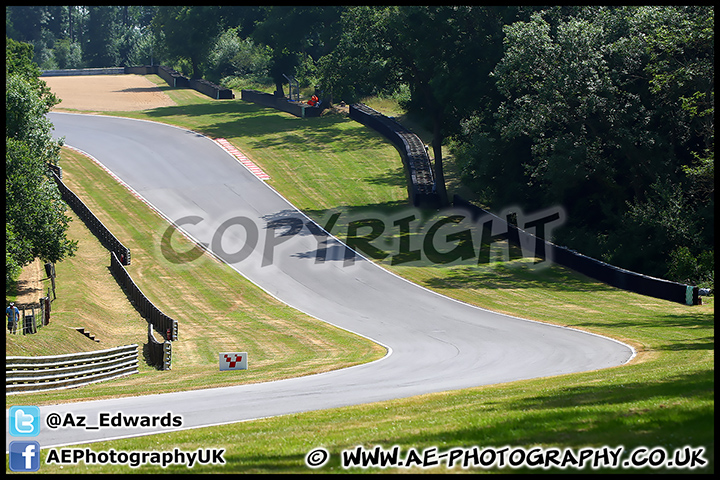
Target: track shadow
{"points": [[274, 128]]}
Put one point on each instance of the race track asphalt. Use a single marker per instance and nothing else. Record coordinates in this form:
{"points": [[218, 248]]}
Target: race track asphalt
{"points": [[434, 343]]}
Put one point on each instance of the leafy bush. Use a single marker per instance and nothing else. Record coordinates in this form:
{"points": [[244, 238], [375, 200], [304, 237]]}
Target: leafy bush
{"points": [[235, 56]]}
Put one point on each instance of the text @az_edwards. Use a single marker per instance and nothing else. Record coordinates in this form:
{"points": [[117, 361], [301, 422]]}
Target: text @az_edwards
{"points": [[112, 420]]}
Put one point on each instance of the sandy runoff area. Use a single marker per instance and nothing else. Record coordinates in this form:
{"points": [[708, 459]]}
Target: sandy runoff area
{"points": [[107, 93]]}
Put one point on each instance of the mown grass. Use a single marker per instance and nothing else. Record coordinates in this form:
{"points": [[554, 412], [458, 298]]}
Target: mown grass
{"points": [[664, 398]]}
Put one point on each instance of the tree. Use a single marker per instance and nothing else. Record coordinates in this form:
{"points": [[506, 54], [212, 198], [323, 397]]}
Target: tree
{"points": [[35, 220], [443, 53], [67, 54], [188, 33], [608, 112], [100, 44], [78, 36], [354, 69], [291, 32], [235, 56]]}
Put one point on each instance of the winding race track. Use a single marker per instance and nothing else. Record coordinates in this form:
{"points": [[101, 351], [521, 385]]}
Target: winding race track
{"points": [[434, 343]]}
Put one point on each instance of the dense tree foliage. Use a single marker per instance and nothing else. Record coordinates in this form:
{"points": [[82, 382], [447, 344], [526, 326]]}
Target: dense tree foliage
{"points": [[605, 111], [295, 33], [442, 54], [235, 56], [35, 220], [83, 36]]}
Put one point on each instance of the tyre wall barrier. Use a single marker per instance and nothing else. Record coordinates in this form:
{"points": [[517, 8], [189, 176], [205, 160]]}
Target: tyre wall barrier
{"points": [[107, 239], [604, 272], [162, 323], [142, 70], [298, 109], [177, 80], [37, 374], [210, 89], [419, 174], [173, 78]]}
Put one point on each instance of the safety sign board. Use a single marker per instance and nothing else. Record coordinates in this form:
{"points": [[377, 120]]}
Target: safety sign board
{"points": [[233, 361]]}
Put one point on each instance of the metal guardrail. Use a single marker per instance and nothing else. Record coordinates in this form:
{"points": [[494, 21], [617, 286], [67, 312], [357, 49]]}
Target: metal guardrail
{"points": [[38, 374], [83, 71]]}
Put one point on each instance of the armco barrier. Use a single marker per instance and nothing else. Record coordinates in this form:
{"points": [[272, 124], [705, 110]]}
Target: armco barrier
{"points": [[606, 273], [419, 174], [162, 323], [107, 239], [37, 374], [298, 109], [83, 71]]}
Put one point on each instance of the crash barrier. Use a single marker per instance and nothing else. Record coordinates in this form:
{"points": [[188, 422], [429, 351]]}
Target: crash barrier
{"points": [[83, 71], [107, 239], [159, 353], [176, 80], [418, 170], [210, 89], [119, 257], [37, 374], [162, 323], [173, 78], [143, 70], [604, 272], [33, 316], [299, 109]]}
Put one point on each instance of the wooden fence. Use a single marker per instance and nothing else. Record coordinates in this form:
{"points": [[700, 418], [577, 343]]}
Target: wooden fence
{"points": [[33, 316]]}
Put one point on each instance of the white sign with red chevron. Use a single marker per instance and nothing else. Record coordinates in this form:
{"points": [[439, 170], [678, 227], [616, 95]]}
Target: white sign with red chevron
{"points": [[233, 361]]}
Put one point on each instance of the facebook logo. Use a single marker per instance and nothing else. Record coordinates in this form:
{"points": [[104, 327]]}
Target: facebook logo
{"points": [[24, 421], [24, 456]]}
